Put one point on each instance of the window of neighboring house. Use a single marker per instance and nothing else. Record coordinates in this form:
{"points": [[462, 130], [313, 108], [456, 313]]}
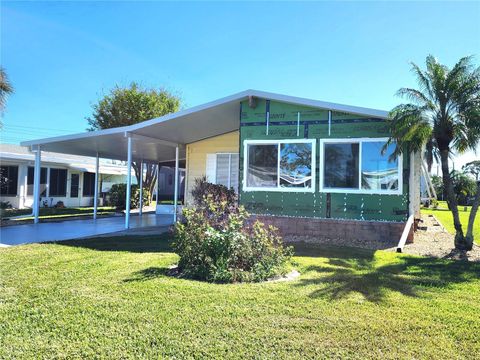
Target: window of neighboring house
{"points": [[74, 185], [358, 165], [8, 180], [58, 182], [222, 169], [279, 165], [88, 184], [31, 179]]}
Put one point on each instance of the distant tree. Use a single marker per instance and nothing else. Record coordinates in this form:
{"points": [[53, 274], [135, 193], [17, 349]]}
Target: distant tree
{"points": [[5, 89], [437, 183], [443, 115], [124, 106], [473, 167], [464, 186]]}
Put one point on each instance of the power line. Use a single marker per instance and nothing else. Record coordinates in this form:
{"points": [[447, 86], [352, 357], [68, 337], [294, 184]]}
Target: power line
{"points": [[35, 128]]}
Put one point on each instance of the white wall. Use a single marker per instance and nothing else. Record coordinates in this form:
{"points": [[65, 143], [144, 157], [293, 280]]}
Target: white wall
{"points": [[22, 200]]}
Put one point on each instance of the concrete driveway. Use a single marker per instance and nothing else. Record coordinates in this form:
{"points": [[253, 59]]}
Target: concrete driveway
{"points": [[75, 229]]}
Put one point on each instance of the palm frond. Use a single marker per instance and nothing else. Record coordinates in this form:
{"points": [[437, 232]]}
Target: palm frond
{"points": [[415, 96], [5, 88]]}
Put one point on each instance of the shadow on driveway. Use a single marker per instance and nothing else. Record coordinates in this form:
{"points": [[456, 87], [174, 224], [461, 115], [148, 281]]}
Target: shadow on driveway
{"points": [[129, 243]]}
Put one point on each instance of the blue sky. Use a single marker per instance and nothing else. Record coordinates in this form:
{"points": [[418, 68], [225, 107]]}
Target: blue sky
{"points": [[61, 56]]}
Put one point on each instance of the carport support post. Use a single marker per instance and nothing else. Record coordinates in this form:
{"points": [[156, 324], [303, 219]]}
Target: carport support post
{"points": [[95, 197], [175, 191], [36, 185], [140, 210], [129, 182]]}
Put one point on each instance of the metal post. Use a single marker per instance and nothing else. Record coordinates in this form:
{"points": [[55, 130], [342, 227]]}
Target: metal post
{"points": [[36, 185], [129, 183], [140, 210], [175, 191], [95, 196]]}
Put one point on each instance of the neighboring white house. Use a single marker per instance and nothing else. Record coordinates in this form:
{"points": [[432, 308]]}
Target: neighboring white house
{"points": [[66, 178]]}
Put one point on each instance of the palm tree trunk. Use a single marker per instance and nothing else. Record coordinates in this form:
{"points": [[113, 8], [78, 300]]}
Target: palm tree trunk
{"points": [[471, 218], [460, 242]]}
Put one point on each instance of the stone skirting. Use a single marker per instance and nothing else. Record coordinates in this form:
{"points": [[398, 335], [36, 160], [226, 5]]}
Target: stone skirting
{"points": [[354, 230]]}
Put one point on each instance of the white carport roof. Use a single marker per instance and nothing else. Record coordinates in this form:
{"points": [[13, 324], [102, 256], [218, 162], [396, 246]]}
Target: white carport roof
{"points": [[155, 139]]}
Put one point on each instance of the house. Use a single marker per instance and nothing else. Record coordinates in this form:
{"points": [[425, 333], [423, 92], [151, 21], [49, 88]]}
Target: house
{"points": [[64, 177], [307, 166]]}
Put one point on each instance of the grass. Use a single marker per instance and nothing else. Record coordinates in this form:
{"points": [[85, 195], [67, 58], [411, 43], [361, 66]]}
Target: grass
{"points": [[446, 219], [111, 298], [52, 213]]}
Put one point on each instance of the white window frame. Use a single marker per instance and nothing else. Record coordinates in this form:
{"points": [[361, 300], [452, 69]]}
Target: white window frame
{"points": [[229, 165], [278, 188], [212, 177], [359, 141]]}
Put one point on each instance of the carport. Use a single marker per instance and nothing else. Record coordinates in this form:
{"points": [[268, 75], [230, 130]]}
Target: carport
{"points": [[152, 141]]}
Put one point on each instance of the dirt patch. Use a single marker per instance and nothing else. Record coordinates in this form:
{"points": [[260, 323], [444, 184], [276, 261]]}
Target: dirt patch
{"points": [[431, 239]]}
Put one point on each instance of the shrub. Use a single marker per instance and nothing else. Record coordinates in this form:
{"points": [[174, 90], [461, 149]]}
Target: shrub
{"points": [[218, 243], [118, 194], [5, 205]]}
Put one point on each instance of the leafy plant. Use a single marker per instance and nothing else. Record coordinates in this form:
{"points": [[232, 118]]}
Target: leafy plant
{"points": [[218, 242], [118, 195], [442, 116], [5, 205]]}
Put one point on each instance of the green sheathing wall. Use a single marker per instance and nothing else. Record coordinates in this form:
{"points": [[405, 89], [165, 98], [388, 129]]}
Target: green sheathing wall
{"points": [[314, 125]]}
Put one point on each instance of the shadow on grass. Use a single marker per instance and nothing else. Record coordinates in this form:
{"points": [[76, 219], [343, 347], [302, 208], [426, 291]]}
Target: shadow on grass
{"points": [[148, 274], [348, 271], [128, 243]]}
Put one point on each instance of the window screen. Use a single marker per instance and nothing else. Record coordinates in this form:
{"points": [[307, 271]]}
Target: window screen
{"points": [[8, 180], [88, 184], [74, 185], [31, 179], [58, 182]]}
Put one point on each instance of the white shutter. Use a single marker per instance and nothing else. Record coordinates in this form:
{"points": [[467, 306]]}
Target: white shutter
{"points": [[211, 169], [234, 172]]}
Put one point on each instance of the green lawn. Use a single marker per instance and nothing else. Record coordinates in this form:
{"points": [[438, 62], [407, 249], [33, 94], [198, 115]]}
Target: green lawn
{"points": [[445, 217], [51, 213], [111, 298]]}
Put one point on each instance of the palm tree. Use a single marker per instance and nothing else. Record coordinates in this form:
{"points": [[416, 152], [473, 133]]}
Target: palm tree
{"points": [[443, 115], [5, 88]]}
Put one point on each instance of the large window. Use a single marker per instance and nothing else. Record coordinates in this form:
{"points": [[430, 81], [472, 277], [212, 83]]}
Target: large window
{"points": [[88, 184], [8, 180], [31, 179], [274, 165], [358, 165], [58, 182]]}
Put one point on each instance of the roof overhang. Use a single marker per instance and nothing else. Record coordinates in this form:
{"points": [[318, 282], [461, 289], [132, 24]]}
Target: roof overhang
{"points": [[155, 139]]}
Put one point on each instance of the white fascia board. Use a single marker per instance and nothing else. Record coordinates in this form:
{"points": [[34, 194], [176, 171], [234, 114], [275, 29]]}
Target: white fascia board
{"points": [[88, 134]]}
